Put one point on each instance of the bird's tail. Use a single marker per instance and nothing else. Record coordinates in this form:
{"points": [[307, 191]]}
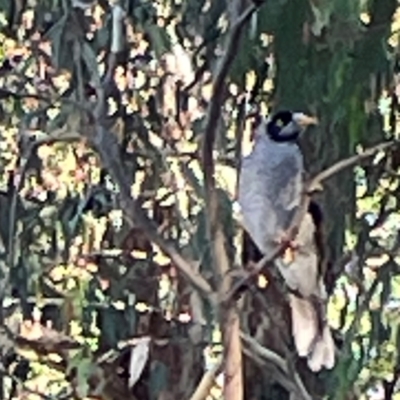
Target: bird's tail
{"points": [[312, 336]]}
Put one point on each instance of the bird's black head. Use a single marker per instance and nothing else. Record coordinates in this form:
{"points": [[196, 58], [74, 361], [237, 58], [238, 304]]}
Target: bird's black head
{"points": [[286, 126]]}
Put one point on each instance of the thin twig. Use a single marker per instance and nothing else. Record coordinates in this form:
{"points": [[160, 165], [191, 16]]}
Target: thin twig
{"points": [[274, 373], [350, 162], [214, 109], [239, 129]]}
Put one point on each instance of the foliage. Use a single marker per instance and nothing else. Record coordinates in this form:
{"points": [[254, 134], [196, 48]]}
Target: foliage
{"points": [[79, 279]]}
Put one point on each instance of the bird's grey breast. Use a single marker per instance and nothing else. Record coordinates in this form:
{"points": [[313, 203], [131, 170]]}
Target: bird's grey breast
{"points": [[270, 188], [286, 180]]}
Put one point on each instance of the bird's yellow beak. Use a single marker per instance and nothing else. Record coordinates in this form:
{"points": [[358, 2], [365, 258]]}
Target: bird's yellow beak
{"points": [[304, 120]]}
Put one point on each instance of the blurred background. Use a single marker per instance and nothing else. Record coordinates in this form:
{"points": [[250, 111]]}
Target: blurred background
{"points": [[87, 299]]}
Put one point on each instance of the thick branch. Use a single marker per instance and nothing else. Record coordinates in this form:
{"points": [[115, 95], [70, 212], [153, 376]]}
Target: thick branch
{"points": [[215, 105], [215, 232], [207, 382], [107, 147], [229, 319], [212, 120]]}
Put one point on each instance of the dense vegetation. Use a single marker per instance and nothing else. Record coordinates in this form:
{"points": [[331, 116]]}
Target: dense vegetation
{"points": [[122, 127]]}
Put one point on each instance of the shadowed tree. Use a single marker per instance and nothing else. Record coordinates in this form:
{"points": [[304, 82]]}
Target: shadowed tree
{"points": [[122, 129]]}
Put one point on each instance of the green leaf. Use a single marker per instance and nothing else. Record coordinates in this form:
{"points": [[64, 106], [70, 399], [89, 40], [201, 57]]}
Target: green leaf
{"points": [[9, 12], [57, 38], [159, 377], [102, 38], [84, 369], [191, 178], [198, 242], [160, 41], [322, 15], [90, 59], [70, 214]]}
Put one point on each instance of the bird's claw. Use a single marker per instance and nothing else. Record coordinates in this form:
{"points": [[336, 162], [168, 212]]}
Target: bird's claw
{"points": [[290, 247]]}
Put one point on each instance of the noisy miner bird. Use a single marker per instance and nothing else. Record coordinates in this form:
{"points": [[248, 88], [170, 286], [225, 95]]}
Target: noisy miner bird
{"points": [[271, 185]]}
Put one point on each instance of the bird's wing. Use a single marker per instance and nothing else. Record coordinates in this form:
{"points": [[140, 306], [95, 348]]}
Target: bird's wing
{"points": [[311, 334], [302, 273], [256, 204], [269, 193]]}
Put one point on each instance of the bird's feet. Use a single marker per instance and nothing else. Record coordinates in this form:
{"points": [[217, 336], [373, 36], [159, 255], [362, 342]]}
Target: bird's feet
{"points": [[291, 246]]}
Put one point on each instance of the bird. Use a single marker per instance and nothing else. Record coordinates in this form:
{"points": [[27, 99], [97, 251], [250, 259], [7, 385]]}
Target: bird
{"points": [[271, 177], [270, 190]]}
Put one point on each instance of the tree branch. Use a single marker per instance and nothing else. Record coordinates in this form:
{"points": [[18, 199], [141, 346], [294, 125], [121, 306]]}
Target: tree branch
{"points": [[277, 360], [349, 162], [229, 318], [215, 105], [207, 381], [107, 148]]}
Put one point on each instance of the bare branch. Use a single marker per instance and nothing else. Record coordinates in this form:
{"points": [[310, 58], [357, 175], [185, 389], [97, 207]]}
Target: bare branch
{"points": [[207, 381], [214, 108], [273, 372], [215, 233], [349, 162], [277, 360]]}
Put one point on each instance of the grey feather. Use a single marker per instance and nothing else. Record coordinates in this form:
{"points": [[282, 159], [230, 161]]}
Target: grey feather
{"points": [[270, 186], [302, 274]]}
